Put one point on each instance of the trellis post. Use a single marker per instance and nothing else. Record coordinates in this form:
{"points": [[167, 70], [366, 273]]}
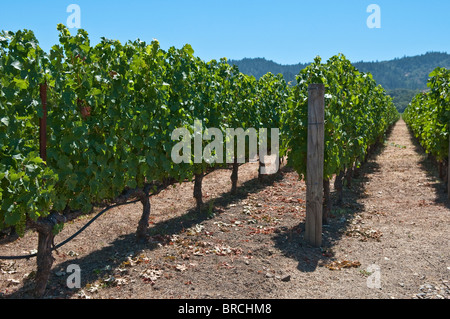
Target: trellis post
{"points": [[448, 172], [43, 123], [315, 163]]}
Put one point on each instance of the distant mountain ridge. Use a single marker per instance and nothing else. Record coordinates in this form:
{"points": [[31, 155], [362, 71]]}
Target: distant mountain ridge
{"points": [[407, 72], [401, 77], [400, 73]]}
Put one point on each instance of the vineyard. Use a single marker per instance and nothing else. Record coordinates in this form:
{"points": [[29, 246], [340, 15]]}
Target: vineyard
{"points": [[87, 129], [428, 117]]}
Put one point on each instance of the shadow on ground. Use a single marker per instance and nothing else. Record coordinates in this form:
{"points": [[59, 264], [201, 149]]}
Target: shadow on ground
{"points": [[287, 240], [125, 246], [431, 166], [308, 257]]}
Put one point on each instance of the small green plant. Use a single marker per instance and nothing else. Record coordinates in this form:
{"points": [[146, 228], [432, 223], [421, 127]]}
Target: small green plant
{"points": [[365, 273], [210, 213], [97, 271], [398, 145]]}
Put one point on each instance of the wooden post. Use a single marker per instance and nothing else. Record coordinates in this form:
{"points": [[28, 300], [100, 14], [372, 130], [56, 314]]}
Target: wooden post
{"points": [[43, 123], [315, 162], [44, 258], [448, 173]]}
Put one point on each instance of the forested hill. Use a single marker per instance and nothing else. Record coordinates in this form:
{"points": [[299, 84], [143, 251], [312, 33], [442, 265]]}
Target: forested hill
{"points": [[405, 73], [401, 77], [260, 66]]}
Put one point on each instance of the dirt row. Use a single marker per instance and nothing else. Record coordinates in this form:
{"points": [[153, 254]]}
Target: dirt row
{"points": [[389, 239]]}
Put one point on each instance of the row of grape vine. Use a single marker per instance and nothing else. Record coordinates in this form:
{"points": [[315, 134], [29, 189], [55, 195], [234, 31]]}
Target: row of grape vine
{"points": [[112, 109]]}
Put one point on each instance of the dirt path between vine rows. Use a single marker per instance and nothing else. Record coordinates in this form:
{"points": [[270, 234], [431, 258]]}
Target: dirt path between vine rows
{"points": [[389, 239]]}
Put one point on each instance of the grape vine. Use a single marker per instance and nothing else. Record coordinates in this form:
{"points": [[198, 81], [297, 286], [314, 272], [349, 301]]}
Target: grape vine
{"points": [[112, 109]]}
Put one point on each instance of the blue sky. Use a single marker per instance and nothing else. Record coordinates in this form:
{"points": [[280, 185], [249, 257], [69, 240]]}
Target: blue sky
{"points": [[285, 31]]}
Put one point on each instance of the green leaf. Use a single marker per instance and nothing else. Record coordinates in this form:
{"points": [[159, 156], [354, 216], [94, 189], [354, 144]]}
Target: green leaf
{"points": [[21, 84]]}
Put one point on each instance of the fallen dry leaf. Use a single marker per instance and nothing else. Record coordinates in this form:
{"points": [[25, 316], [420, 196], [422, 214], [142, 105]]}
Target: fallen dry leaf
{"points": [[151, 275], [181, 267], [338, 265]]}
